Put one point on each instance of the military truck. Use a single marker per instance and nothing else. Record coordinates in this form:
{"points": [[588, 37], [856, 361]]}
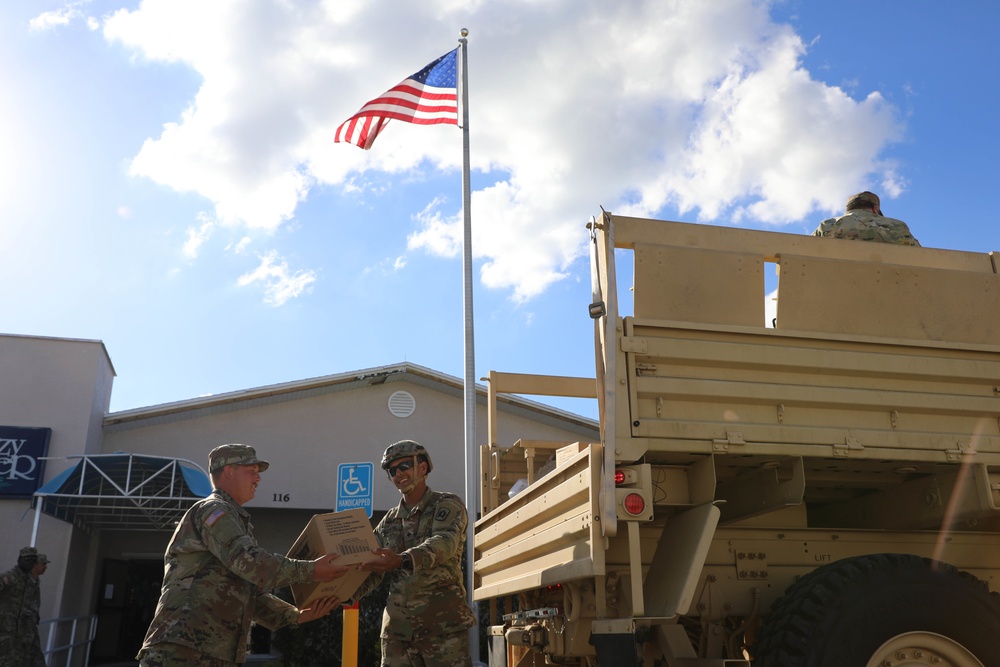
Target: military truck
{"points": [[817, 487]]}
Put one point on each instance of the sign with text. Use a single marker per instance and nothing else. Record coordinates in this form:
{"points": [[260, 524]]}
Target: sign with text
{"points": [[354, 486], [22, 465]]}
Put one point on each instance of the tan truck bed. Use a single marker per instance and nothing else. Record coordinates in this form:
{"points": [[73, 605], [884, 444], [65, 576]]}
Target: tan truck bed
{"points": [[867, 414]]}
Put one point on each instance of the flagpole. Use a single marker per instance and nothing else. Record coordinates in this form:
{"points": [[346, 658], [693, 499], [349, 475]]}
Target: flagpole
{"points": [[471, 474]]}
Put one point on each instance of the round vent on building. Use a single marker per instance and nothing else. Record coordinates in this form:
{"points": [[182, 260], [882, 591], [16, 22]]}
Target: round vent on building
{"points": [[402, 404]]}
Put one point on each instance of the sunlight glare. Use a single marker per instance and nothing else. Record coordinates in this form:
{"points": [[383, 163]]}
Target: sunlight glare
{"points": [[14, 156]]}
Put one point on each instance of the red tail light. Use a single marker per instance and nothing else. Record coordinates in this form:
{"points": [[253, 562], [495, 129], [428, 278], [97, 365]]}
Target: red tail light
{"points": [[634, 504], [625, 476]]}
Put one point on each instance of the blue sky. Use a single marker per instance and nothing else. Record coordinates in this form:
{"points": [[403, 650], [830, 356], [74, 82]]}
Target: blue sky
{"points": [[169, 184]]}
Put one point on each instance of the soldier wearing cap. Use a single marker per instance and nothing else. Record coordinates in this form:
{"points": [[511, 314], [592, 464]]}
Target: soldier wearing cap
{"points": [[863, 221], [20, 599], [217, 580], [426, 618]]}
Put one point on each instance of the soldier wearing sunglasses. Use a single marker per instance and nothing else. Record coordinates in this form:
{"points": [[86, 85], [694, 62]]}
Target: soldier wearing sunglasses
{"points": [[422, 541]]}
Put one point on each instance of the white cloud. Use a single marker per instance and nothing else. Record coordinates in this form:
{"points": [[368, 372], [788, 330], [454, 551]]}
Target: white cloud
{"points": [[638, 105], [437, 235], [279, 283], [53, 19], [385, 266], [241, 246], [196, 236], [57, 18]]}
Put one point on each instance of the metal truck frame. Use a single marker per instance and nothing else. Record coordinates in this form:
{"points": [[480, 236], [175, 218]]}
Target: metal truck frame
{"points": [[823, 491]]}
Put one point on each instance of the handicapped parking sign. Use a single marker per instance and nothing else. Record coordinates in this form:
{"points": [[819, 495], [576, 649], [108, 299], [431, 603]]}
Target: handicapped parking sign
{"points": [[354, 486]]}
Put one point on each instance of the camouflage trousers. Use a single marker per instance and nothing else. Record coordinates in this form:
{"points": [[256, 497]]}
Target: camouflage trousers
{"points": [[450, 650], [21, 651], [175, 655]]}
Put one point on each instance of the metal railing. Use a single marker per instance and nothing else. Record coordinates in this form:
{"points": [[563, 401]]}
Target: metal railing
{"points": [[59, 631]]}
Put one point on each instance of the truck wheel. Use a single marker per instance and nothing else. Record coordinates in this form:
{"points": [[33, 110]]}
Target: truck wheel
{"points": [[883, 609]]}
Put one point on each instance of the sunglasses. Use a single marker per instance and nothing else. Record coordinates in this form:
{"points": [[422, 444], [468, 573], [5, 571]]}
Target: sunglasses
{"points": [[403, 466]]}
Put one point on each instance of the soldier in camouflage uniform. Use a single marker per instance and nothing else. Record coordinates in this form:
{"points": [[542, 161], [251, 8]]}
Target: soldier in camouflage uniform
{"points": [[20, 599], [217, 579], [426, 618], [863, 221]]}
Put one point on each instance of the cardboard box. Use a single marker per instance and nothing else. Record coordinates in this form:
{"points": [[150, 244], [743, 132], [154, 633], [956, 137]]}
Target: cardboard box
{"points": [[347, 533]]}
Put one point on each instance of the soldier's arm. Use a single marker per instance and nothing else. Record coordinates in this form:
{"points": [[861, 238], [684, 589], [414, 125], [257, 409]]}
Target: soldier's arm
{"points": [[274, 613], [447, 537], [223, 535]]}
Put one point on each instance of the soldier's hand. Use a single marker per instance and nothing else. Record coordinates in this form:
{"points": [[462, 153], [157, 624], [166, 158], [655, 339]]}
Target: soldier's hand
{"points": [[325, 569], [319, 609], [384, 561]]}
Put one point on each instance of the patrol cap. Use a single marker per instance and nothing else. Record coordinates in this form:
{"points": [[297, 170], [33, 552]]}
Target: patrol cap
{"points": [[863, 200], [405, 448], [235, 455], [32, 552]]}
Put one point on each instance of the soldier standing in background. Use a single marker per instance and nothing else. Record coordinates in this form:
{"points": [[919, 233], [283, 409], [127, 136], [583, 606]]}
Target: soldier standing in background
{"points": [[426, 618], [217, 580], [863, 221], [20, 599]]}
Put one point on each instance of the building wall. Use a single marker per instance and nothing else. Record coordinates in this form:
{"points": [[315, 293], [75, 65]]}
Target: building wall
{"points": [[306, 439], [65, 385]]}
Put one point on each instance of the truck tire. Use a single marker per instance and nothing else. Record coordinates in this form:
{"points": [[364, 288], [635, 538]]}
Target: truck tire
{"points": [[882, 609]]}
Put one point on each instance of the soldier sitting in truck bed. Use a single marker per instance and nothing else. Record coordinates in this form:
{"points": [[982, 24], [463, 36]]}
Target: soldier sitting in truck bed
{"points": [[863, 221]]}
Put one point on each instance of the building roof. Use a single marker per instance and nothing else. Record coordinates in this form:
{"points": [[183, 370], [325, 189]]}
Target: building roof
{"points": [[403, 372]]}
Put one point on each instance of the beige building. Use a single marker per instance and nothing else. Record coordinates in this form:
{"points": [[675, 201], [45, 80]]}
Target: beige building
{"points": [[113, 484]]}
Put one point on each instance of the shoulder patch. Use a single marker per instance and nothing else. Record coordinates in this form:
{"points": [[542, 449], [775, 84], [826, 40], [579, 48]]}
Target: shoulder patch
{"points": [[214, 516], [442, 513]]}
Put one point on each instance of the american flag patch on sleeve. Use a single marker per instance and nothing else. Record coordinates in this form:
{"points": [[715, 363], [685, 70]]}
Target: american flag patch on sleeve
{"points": [[214, 516]]}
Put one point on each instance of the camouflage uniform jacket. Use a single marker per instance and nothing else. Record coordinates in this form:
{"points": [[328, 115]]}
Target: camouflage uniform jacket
{"points": [[20, 600], [862, 225], [216, 581], [431, 599]]}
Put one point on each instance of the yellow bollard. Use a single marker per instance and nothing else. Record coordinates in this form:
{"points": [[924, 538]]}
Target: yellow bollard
{"points": [[349, 650]]}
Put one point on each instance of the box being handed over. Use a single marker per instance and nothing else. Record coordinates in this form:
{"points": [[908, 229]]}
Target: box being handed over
{"points": [[347, 533]]}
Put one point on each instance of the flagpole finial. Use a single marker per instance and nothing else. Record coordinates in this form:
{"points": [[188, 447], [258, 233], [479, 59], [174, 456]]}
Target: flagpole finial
{"points": [[465, 32]]}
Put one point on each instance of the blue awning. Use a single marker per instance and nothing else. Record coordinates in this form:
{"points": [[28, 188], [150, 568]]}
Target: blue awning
{"points": [[124, 491]]}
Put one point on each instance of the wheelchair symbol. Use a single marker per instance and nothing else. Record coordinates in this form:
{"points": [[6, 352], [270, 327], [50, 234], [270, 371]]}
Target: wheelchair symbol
{"points": [[352, 486]]}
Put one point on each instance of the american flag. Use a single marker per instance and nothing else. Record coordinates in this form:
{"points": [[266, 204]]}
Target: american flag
{"points": [[429, 97]]}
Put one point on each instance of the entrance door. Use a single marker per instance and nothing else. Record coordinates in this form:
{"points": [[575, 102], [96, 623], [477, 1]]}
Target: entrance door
{"points": [[126, 604]]}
